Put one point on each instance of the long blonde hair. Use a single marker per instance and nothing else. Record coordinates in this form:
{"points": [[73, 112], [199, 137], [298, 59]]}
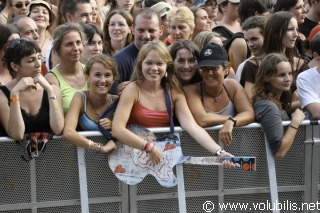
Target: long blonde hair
{"points": [[162, 51]]}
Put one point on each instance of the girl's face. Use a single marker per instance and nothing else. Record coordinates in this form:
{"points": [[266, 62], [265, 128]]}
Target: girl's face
{"points": [[202, 21], [185, 65], [40, 15], [153, 67], [71, 47], [212, 9], [100, 78], [118, 28], [299, 11], [179, 30], [125, 4], [213, 76], [93, 47], [19, 7], [30, 66], [291, 35], [283, 78], [94, 13]]}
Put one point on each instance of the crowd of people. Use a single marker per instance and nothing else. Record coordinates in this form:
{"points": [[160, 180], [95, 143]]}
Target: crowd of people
{"points": [[229, 62]]}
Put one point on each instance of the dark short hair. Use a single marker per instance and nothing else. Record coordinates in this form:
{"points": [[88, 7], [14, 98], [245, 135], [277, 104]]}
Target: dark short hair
{"points": [[147, 13], [6, 32], [315, 44], [90, 30], [248, 8], [16, 53], [70, 6], [255, 22]]}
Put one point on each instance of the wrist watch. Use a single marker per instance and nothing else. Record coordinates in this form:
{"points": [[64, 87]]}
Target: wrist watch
{"points": [[234, 120], [219, 152]]}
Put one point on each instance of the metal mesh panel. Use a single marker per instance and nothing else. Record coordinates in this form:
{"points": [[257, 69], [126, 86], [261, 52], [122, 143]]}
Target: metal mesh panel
{"points": [[14, 176], [150, 185], [158, 206], [62, 209], [97, 171], [293, 198], [58, 170], [195, 204], [106, 207], [292, 164], [18, 211]]}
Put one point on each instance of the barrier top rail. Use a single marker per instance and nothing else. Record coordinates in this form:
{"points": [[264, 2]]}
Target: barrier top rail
{"points": [[177, 129]]}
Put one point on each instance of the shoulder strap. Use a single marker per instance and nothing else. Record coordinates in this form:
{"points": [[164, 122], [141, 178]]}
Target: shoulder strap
{"points": [[106, 114], [169, 108], [84, 99]]}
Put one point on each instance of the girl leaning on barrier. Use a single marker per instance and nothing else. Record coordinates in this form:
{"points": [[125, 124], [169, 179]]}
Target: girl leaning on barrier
{"points": [[87, 106], [272, 103], [29, 102], [142, 102]]}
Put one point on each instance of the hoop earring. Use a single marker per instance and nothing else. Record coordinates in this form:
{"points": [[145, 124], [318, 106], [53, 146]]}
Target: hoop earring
{"points": [[166, 75]]}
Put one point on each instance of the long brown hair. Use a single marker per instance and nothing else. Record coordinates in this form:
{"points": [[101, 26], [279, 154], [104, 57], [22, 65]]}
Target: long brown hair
{"points": [[262, 88]]}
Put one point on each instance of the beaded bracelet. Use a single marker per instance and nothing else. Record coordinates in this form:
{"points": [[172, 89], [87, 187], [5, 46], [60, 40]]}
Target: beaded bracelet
{"points": [[146, 148], [154, 144], [98, 150]]}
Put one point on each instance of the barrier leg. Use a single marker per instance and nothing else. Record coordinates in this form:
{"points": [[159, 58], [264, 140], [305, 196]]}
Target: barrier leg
{"points": [[181, 190], [83, 181], [272, 175]]}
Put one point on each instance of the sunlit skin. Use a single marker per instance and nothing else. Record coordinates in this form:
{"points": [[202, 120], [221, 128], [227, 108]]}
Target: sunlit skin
{"points": [[82, 15], [254, 39], [202, 21], [146, 30], [179, 30], [283, 78], [153, 67], [213, 76], [100, 78], [125, 4], [289, 39], [299, 11], [30, 66], [118, 28], [19, 11], [92, 48], [94, 8], [28, 29], [185, 65], [71, 47], [40, 15]]}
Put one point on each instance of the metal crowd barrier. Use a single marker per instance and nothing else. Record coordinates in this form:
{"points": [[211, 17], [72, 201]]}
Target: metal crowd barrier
{"points": [[69, 179]]}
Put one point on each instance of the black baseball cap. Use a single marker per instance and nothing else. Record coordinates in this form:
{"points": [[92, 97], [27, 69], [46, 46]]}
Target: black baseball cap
{"points": [[212, 55]]}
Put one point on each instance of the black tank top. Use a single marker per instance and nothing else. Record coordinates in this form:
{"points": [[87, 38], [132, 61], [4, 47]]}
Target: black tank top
{"points": [[34, 123]]}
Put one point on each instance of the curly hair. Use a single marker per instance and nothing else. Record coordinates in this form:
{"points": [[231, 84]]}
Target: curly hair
{"points": [[262, 88]]}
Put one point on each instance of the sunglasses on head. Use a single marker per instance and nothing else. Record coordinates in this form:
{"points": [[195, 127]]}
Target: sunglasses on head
{"points": [[14, 43], [20, 4]]}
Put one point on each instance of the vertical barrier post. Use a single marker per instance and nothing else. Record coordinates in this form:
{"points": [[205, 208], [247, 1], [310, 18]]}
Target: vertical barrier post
{"points": [[181, 189], [272, 175], [83, 181]]}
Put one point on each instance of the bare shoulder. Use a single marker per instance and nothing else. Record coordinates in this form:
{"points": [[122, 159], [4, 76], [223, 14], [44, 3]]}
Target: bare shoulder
{"points": [[51, 78]]}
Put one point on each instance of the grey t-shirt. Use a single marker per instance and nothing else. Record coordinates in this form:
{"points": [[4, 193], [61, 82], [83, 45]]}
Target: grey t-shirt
{"points": [[270, 116]]}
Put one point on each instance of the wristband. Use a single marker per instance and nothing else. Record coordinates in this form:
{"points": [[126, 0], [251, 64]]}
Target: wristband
{"points": [[219, 152], [154, 144], [14, 100], [293, 127], [98, 150], [146, 148]]}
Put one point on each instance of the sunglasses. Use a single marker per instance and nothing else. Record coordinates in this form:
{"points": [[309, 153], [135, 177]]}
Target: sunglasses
{"points": [[14, 43], [20, 4]]}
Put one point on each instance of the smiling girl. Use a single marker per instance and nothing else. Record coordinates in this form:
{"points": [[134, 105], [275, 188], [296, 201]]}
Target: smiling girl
{"points": [[272, 103]]}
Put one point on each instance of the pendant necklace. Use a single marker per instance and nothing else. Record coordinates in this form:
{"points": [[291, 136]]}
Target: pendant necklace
{"points": [[215, 98], [95, 111]]}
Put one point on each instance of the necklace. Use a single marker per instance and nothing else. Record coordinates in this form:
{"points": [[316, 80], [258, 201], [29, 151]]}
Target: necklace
{"points": [[73, 81], [94, 109], [43, 42], [4, 16], [215, 98]]}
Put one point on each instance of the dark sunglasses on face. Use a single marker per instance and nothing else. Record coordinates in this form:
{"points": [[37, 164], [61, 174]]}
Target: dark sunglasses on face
{"points": [[20, 4]]}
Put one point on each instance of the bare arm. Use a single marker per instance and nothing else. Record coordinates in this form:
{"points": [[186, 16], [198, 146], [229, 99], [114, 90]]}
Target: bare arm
{"points": [[52, 79], [239, 50], [248, 88], [188, 123], [203, 118]]}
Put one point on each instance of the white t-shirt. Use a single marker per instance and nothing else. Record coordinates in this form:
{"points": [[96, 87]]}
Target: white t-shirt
{"points": [[308, 84]]}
